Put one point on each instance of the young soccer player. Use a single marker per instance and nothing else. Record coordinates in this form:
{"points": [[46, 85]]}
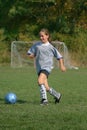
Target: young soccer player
{"points": [[44, 52]]}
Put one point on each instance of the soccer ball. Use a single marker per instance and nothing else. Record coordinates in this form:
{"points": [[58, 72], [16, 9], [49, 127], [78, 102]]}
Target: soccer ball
{"points": [[11, 98]]}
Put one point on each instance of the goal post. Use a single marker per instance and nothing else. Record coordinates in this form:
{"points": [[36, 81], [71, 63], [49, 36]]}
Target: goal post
{"points": [[19, 57]]}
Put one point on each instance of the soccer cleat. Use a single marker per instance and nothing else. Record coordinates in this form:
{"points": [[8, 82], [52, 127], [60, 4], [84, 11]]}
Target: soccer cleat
{"points": [[57, 99], [44, 102]]}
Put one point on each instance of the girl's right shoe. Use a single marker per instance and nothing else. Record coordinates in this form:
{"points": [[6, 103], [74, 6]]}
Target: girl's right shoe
{"points": [[44, 102]]}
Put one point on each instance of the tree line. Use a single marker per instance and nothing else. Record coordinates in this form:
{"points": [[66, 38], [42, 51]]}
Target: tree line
{"points": [[65, 19], [57, 15]]}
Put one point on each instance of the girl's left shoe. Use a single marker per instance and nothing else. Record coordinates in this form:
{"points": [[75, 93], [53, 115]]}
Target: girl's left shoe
{"points": [[57, 100]]}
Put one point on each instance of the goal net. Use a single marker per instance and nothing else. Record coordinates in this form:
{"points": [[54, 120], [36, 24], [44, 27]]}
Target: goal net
{"points": [[19, 57]]}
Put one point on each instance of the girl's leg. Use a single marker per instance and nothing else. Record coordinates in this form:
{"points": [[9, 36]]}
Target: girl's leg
{"points": [[41, 82], [54, 93]]}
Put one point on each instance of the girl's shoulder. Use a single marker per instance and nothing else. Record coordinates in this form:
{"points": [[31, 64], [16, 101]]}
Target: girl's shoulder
{"points": [[50, 44], [38, 43]]}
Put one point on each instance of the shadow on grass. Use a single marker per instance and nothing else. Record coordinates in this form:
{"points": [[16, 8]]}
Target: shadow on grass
{"points": [[21, 101], [2, 101]]}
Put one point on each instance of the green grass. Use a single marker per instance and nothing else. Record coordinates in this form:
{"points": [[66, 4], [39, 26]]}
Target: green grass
{"points": [[27, 114]]}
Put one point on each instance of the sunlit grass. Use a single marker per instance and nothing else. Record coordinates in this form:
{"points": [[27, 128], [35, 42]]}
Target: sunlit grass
{"points": [[27, 114]]}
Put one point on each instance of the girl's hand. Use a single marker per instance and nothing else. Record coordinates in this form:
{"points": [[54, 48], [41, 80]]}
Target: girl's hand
{"points": [[63, 68]]}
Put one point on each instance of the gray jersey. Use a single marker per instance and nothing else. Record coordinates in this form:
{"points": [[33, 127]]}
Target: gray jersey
{"points": [[44, 54]]}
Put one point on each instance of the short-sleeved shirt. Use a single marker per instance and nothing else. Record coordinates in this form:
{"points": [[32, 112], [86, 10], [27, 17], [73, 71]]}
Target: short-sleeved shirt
{"points": [[44, 54]]}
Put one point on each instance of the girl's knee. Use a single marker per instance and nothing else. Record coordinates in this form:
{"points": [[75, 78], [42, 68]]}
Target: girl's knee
{"points": [[40, 81]]}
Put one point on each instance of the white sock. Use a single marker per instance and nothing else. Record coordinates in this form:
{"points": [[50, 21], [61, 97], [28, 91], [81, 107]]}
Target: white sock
{"points": [[54, 93], [43, 92]]}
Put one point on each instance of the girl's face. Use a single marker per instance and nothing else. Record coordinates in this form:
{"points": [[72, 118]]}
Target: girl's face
{"points": [[43, 37]]}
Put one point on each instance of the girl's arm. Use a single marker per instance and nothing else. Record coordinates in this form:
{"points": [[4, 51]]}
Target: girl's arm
{"points": [[61, 64], [31, 56]]}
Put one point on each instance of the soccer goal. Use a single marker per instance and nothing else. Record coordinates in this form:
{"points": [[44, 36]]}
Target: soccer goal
{"points": [[19, 57]]}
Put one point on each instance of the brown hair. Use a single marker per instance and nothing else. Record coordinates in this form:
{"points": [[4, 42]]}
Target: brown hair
{"points": [[46, 32]]}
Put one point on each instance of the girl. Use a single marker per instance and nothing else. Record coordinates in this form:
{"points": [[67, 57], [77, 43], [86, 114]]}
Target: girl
{"points": [[44, 52]]}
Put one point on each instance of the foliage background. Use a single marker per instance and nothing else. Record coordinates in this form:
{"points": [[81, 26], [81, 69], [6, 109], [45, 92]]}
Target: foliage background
{"points": [[65, 19]]}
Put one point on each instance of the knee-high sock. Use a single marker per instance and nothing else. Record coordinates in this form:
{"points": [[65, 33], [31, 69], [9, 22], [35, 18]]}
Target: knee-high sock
{"points": [[54, 93], [43, 92]]}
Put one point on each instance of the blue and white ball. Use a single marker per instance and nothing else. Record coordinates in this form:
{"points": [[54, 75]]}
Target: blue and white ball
{"points": [[11, 98]]}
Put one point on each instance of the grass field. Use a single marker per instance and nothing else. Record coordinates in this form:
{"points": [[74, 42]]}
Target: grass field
{"points": [[27, 114]]}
